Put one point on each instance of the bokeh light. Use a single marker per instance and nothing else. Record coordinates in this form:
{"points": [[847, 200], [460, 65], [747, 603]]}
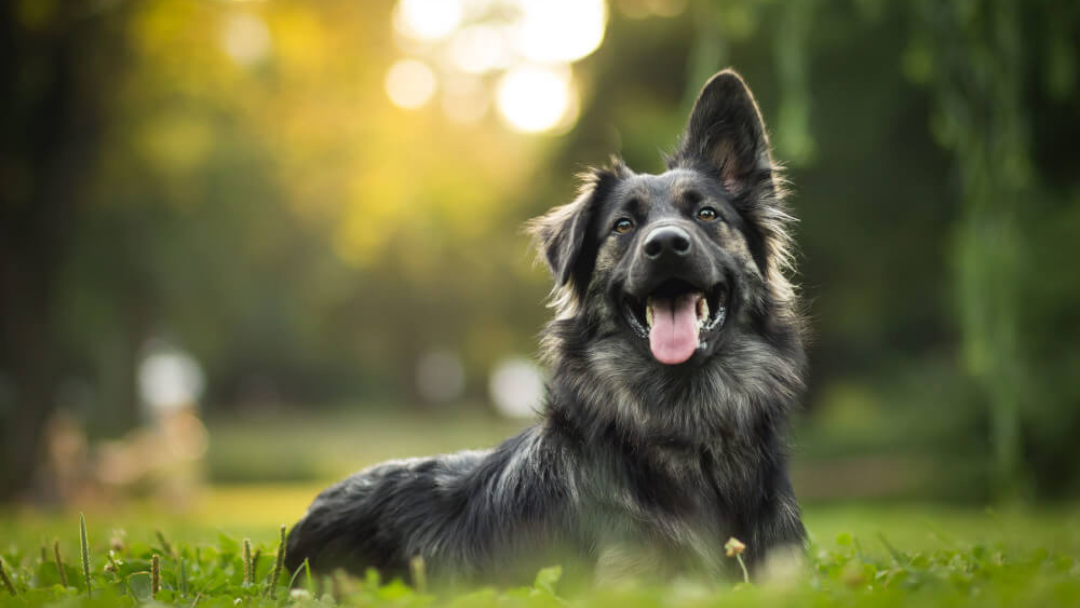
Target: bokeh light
{"points": [[517, 387], [410, 83], [524, 50], [169, 378], [560, 30], [480, 48], [427, 19], [533, 99], [245, 38]]}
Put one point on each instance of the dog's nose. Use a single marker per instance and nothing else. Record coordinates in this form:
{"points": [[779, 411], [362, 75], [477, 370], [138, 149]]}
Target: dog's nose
{"points": [[666, 241]]}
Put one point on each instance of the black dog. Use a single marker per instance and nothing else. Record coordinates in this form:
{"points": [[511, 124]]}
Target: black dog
{"points": [[676, 353]]}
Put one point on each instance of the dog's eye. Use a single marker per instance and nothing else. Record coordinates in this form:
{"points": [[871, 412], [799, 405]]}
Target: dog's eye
{"points": [[707, 214], [622, 225]]}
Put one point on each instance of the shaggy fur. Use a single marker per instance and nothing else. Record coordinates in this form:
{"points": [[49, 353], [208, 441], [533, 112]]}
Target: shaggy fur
{"points": [[636, 468]]}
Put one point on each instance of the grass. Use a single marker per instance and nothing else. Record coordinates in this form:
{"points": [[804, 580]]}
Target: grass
{"points": [[861, 556], [882, 554]]}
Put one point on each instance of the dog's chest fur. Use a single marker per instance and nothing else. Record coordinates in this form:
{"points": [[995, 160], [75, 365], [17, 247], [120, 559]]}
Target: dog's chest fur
{"points": [[655, 508]]}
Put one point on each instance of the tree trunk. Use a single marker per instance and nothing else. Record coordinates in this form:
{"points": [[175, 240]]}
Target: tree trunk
{"points": [[48, 129]]}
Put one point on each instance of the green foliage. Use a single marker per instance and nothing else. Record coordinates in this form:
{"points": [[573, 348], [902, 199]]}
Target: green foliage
{"points": [[848, 570]]}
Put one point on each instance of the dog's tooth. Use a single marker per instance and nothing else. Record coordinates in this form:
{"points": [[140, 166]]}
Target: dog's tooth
{"points": [[648, 315], [703, 309]]}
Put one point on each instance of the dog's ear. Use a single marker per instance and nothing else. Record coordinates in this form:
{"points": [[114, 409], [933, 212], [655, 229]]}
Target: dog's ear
{"points": [[726, 134], [562, 235], [726, 137]]}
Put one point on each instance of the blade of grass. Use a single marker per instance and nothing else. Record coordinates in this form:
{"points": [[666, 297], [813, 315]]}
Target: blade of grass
{"points": [[279, 564], [84, 550], [310, 582], [249, 572], [155, 576], [896, 555], [255, 557], [183, 578], [59, 563], [165, 546], [7, 580], [296, 574], [113, 566]]}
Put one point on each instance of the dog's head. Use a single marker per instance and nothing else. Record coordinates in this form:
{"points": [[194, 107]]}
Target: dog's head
{"points": [[679, 265]]}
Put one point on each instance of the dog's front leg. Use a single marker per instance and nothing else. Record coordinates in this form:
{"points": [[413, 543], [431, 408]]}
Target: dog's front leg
{"points": [[778, 540]]}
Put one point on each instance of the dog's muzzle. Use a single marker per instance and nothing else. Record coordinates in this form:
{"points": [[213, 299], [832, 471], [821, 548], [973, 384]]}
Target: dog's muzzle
{"points": [[678, 308]]}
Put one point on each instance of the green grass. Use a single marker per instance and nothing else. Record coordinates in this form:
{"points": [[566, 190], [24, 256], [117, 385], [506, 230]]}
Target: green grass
{"points": [[862, 556], [885, 553]]}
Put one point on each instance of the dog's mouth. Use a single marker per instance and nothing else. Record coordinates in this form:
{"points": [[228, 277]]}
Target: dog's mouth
{"points": [[677, 318]]}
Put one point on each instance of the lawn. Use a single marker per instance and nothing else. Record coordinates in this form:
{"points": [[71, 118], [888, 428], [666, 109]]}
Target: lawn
{"points": [[862, 555], [882, 553]]}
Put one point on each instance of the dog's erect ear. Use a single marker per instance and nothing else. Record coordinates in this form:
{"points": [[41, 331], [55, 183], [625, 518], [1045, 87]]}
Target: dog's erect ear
{"points": [[726, 132], [562, 235], [726, 137]]}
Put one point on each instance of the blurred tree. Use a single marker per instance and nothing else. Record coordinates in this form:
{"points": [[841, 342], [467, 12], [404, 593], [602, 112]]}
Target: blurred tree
{"points": [[58, 63], [977, 82], [983, 62], [233, 176]]}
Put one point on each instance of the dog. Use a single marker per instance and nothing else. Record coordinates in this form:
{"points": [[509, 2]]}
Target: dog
{"points": [[676, 352]]}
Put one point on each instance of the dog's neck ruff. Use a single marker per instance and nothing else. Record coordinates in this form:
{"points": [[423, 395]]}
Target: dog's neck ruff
{"points": [[605, 382]]}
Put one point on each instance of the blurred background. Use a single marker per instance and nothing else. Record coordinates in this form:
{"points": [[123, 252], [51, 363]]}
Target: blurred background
{"points": [[247, 248]]}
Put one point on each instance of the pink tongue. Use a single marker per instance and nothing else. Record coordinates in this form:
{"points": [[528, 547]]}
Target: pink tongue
{"points": [[674, 334]]}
